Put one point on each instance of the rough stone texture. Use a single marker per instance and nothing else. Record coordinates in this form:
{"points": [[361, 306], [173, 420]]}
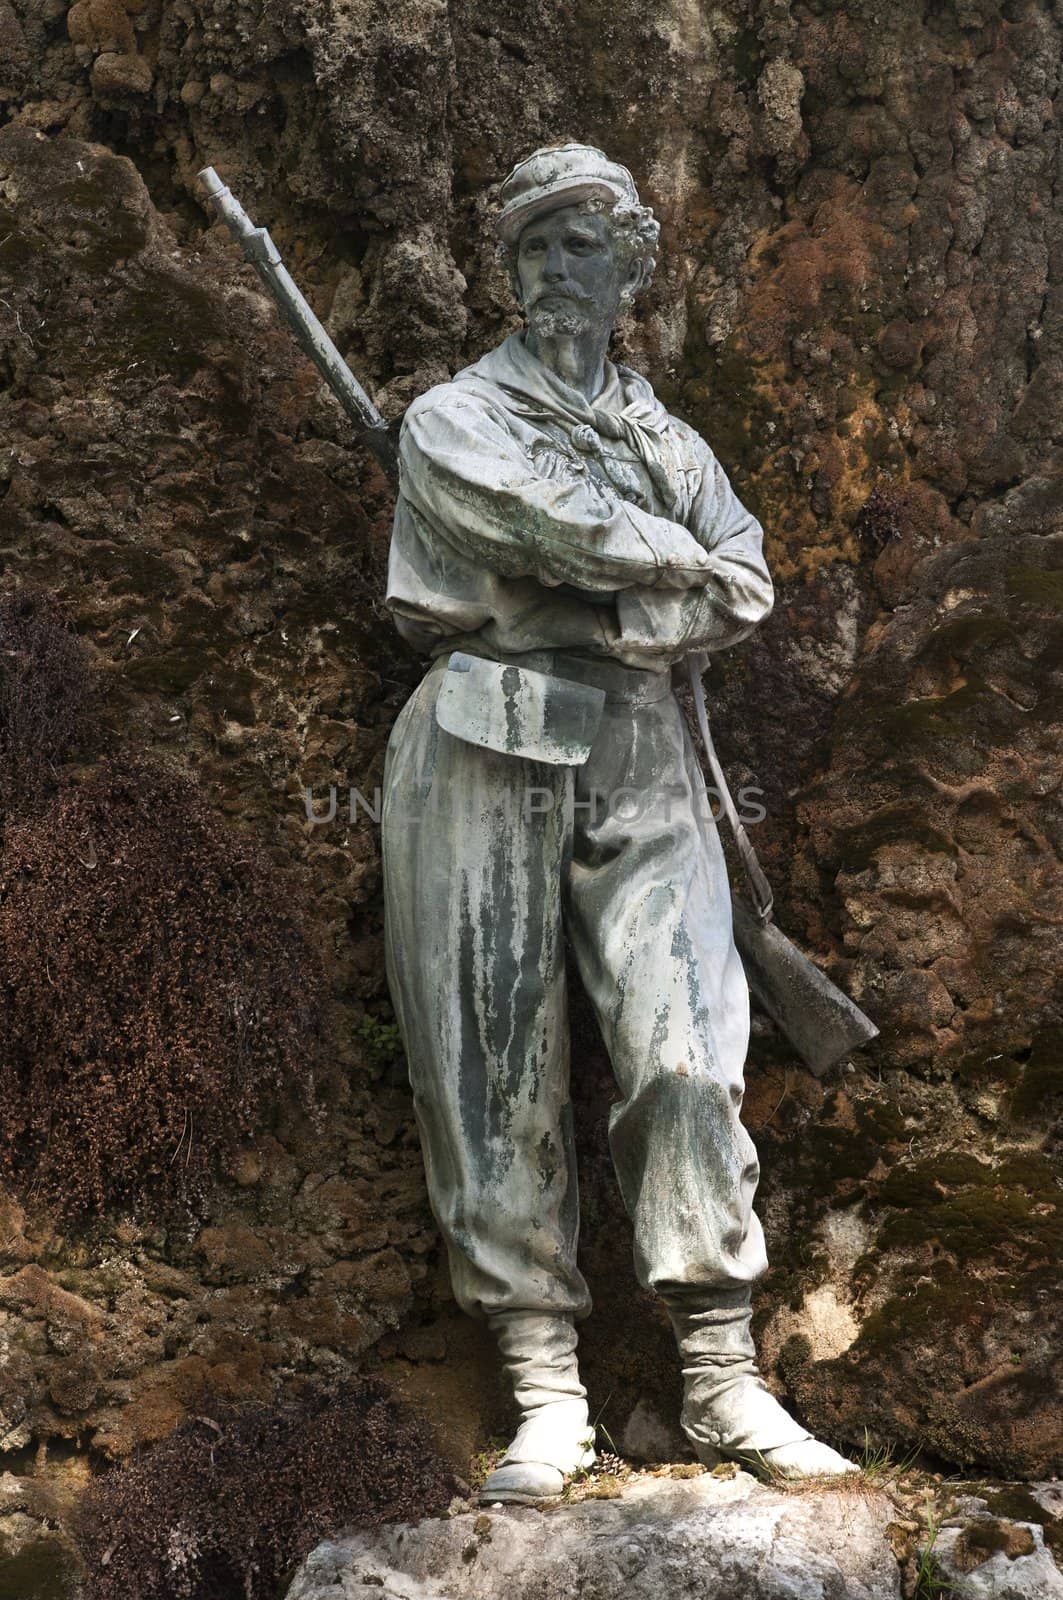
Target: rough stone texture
{"points": [[985, 1553], [693, 1541], [859, 306], [1019, 1569]]}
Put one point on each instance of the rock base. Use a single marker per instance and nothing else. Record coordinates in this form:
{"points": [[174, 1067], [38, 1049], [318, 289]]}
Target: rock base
{"points": [[696, 1539]]}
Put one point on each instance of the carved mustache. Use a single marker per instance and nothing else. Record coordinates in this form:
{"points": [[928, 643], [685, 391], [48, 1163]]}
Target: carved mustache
{"points": [[570, 293]]}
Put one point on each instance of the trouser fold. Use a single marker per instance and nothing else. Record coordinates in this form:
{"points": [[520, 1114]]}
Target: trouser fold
{"points": [[489, 861]]}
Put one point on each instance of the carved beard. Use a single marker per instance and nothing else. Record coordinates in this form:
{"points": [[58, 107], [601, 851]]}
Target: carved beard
{"points": [[552, 322]]}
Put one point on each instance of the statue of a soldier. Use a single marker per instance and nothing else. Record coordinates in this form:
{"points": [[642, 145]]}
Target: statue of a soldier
{"points": [[560, 544]]}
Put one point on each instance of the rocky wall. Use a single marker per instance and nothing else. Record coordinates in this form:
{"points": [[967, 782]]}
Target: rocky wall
{"points": [[859, 305]]}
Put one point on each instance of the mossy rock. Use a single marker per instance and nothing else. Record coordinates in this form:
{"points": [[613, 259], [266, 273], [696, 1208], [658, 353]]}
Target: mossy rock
{"points": [[903, 823], [929, 1306], [1036, 586], [922, 1183], [41, 1570], [171, 671], [1010, 1210], [1041, 1082], [1015, 1502]]}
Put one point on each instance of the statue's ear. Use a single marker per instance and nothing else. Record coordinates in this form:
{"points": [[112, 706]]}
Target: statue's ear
{"points": [[633, 279]]}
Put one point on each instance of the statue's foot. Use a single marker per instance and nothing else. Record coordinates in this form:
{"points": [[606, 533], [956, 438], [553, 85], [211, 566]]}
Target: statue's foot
{"points": [[808, 1459], [747, 1424], [522, 1483], [552, 1442]]}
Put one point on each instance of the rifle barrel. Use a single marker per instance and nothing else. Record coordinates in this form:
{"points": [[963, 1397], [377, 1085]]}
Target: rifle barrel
{"points": [[311, 337]]}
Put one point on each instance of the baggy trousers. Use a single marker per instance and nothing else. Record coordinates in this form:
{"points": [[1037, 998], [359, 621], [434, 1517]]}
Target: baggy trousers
{"points": [[489, 861]]}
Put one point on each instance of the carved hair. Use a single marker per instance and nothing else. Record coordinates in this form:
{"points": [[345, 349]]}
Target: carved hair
{"points": [[635, 233]]}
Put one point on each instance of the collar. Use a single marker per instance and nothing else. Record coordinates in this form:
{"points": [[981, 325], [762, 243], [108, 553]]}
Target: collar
{"points": [[626, 408]]}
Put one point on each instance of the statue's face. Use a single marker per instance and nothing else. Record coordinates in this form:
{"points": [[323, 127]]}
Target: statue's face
{"points": [[570, 276]]}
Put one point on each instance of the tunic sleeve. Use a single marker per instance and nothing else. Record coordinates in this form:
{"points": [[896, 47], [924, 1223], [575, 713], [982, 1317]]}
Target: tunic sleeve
{"points": [[469, 479], [737, 594]]}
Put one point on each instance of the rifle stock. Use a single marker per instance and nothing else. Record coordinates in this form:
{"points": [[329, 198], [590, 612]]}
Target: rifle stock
{"points": [[823, 1024]]}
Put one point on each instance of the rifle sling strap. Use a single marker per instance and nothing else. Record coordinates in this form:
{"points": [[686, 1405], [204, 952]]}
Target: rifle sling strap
{"points": [[759, 886]]}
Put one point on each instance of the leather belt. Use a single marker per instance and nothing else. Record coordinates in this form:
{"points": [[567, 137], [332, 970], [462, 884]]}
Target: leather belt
{"points": [[631, 685]]}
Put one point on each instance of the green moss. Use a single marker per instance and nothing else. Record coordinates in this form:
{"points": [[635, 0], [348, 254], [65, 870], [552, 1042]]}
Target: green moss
{"points": [[986, 1535], [170, 319], [924, 1183], [923, 724], [882, 1120], [1036, 585], [43, 1570], [199, 625], [146, 573], [729, 407], [889, 391], [924, 1310], [1016, 1502], [231, 692], [288, 537], [794, 1357], [19, 245], [747, 58], [1007, 1213], [171, 671], [829, 1152], [1030, 1170], [960, 637], [990, 1063], [1012, 1209], [1042, 1076], [106, 229]]}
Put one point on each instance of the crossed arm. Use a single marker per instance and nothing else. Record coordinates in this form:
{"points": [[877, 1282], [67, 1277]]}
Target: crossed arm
{"points": [[726, 606], [677, 588]]}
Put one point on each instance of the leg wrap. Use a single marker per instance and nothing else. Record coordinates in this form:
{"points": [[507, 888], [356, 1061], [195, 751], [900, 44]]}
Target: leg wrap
{"points": [[539, 1353], [725, 1403]]}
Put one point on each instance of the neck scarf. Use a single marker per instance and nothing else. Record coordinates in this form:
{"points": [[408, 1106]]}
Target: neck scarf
{"points": [[626, 409]]}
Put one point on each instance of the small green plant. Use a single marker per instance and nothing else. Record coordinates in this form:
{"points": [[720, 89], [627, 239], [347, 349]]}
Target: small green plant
{"points": [[879, 1461], [930, 1581], [485, 1462], [382, 1040]]}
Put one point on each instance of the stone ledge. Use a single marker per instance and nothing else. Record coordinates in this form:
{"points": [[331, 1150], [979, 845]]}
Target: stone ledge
{"points": [[698, 1539]]}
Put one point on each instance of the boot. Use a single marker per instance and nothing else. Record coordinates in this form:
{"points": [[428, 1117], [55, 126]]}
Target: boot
{"points": [[555, 1436], [727, 1410]]}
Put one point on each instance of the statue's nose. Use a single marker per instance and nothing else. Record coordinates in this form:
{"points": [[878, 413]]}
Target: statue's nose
{"points": [[554, 267]]}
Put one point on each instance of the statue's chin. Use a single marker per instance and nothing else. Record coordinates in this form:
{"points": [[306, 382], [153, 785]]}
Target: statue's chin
{"points": [[551, 324]]}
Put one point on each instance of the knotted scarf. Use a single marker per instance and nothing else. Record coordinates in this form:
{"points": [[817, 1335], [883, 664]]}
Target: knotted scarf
{"points": [[627, 410]]}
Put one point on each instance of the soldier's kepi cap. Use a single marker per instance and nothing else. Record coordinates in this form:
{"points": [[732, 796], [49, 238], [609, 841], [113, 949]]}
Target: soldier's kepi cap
{"points": [[559, 175]]}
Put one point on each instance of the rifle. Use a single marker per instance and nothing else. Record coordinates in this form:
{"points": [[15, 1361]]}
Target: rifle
{"points": [[310, 336], [821, 1022]]}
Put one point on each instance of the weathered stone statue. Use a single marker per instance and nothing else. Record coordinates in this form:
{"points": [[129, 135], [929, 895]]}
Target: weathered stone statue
{"points": [[560, 544]]}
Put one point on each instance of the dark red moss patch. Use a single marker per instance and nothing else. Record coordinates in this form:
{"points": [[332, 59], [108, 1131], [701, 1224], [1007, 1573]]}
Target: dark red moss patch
{"points": [[227, 1505], [47, 693], [157, 985]]}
